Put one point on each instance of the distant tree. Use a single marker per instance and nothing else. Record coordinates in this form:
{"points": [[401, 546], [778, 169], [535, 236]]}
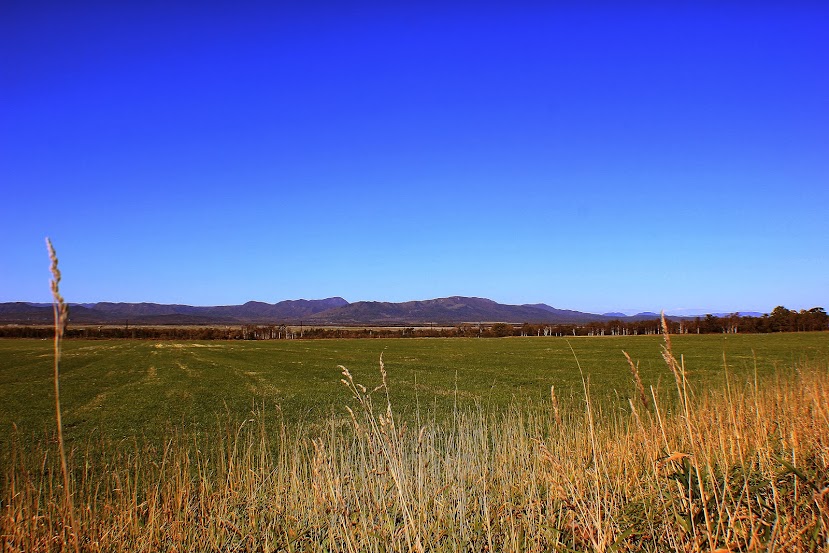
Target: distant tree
{"points": [[815, 319], [782, 319], [528, 329], [712, 324], [502, 329], [732, 323]]}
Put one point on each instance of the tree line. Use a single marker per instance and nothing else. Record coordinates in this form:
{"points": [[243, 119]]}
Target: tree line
{"points": [[779, 320]]}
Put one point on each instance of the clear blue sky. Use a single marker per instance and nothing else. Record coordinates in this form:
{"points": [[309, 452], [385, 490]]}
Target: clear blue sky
{"points": [[594, 158]]}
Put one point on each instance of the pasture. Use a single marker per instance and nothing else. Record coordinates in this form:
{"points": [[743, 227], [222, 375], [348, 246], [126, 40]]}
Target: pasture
{"points": [[127, 388], [249, 446]]}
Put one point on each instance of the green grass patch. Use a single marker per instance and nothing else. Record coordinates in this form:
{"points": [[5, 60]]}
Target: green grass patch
{"points": [[125, 388]]}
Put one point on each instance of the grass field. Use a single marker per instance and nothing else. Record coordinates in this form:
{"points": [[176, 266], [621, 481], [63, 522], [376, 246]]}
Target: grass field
{"points": [[181, 446], [121, 388]]}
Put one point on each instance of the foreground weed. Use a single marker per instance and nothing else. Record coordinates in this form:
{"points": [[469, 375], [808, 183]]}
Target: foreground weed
{"points": [[61, 312]]}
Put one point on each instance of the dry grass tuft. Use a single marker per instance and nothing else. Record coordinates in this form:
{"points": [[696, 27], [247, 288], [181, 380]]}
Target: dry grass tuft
{"points": [[61, 311], [634, 369]]}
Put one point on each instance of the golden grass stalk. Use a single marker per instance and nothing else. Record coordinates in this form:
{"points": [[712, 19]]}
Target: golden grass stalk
{"points": [[61, 312], [555, 404], [668, 355], [634, 369]]}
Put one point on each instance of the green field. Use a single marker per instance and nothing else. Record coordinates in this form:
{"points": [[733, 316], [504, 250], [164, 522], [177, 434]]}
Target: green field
{"points": [[178, 446], [122, 388]]}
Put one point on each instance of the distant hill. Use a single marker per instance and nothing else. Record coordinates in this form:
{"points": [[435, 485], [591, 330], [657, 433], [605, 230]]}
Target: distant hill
{"points": [[170, 314], [24, 313], [336, 310], [451, 310]]}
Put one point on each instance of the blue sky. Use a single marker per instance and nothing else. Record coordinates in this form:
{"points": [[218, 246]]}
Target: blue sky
{"points": [[590, 158]]}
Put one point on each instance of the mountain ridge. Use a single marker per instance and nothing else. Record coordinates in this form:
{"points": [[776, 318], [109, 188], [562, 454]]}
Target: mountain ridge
{"points": [[449, 310], [327, 311]]}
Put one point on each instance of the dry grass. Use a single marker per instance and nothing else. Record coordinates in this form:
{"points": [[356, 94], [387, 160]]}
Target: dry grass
{"points": [[61, 312]]}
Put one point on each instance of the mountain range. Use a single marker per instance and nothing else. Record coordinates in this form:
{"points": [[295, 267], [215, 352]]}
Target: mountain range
{"points": [[337, 311]]}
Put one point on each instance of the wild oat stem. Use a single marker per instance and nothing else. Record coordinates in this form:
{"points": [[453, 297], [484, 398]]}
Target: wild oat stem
{"points": [[61, 311]]}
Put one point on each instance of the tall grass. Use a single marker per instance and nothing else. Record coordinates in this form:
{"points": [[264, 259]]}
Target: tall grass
{"points": [[61, 316]]}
